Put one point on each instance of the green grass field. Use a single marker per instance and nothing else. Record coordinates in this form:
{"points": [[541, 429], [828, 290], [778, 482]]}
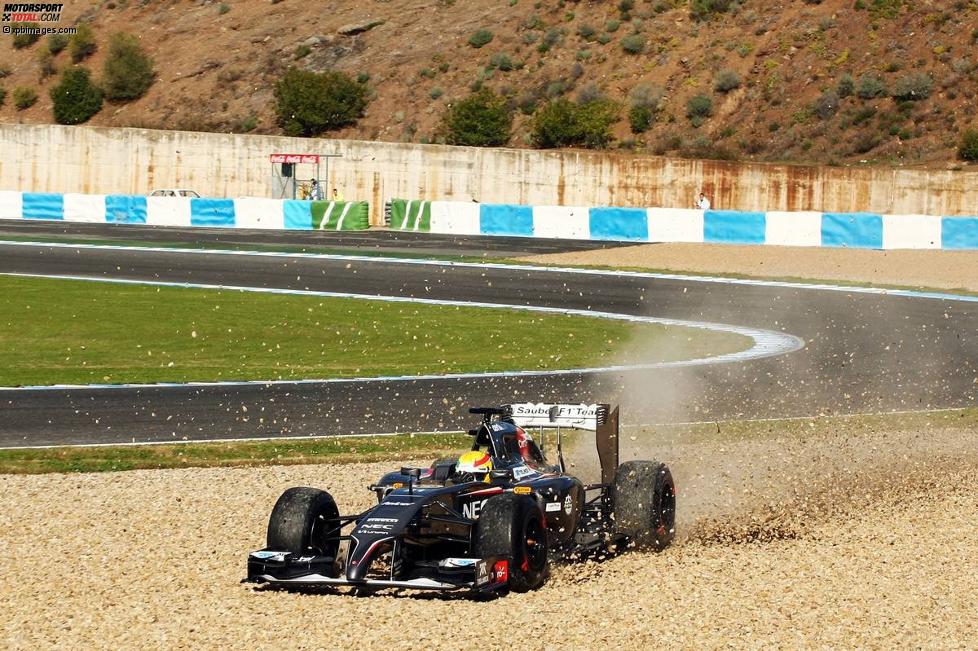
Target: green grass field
{"points": [[79, 332]]}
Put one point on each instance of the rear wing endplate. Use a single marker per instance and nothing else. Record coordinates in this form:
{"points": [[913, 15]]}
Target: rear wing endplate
{"points": [[598, 418]]}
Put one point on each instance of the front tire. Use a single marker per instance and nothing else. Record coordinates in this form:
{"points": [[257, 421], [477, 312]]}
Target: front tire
{"points": [[305, 521], [512, 526], [643, 500]]}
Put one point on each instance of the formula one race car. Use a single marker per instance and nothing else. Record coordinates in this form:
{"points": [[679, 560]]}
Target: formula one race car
{"points": [[487, 522]]}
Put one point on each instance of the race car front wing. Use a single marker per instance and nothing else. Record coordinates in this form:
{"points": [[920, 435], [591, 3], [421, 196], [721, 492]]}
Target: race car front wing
{"points": [[285, 569]]}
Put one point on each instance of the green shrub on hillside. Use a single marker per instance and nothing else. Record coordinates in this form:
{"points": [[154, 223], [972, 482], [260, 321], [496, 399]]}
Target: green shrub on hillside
{"points": [[501, 61], [871, 86], [698, 109], [82, 43], [45, 64], [707, 9], [480, 38], [846, 86], [726, 80], [968, 149], [482, 119], [128, 71], [57, 42], [633, 43], [913, 87], [645, 100], [3, 95], [562, 123], [24, 97], [76, 98], [827, 104], [587, 31], [309, 103], [640, 118], [23, 40]]}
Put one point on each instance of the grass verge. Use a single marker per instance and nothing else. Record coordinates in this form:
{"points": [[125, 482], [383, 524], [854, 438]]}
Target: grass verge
{"points": [[79, 332], [239, 453]]}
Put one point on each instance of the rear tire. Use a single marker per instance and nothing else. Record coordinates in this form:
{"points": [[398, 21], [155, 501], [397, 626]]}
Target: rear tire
{"points": [[305, 521], [643, 500], [512, 525]]}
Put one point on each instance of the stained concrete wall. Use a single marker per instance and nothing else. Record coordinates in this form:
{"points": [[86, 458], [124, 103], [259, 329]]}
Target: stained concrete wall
{"points": [[43, 158]]}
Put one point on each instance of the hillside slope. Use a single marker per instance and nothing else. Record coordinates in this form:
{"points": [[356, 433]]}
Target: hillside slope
{"points": [[779, 63]]}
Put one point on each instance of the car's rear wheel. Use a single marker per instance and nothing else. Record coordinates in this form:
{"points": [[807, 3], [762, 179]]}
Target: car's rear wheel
{"points": [[305, 521], [512, 526], [643, 500]]}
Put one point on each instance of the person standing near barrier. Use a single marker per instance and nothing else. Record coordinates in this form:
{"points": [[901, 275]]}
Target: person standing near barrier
{"points": [[337, 196], [316, 191], [703, 203]]}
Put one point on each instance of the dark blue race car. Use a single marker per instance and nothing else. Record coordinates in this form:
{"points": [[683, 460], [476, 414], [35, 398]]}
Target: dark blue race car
{"points": [[490, 521]]}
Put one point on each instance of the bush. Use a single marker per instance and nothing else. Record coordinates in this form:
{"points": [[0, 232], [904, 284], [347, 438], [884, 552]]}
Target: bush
{"points": [[587, 32], [3, 95], [128, 71], [562, 123], [57, 42], [913, 87], [309, 103], [726, 80], [45, 64], [24, 97], [846, 86], [480, 38], [698, 109], [640, 118], [501, 61], [968, 149], [827, 104], [5, 70], [707, 9], [633, 43], [23, 40], [76, 98], [871, 86], [82, 43], [483, 119]]}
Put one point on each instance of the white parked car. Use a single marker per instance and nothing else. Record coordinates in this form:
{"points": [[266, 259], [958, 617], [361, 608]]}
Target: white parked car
{"points": [[174, 192]]}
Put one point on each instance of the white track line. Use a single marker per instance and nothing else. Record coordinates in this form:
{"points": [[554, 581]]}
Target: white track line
{"points": [[767, 343], [881, 291]]}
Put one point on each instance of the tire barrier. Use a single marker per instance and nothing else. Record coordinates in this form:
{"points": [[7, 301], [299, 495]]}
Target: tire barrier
{"points": [[842, 230], [243, 212]]}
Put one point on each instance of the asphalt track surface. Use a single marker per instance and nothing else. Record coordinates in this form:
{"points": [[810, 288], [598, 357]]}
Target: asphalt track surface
{"points": [[358, 242], [865, 352]]}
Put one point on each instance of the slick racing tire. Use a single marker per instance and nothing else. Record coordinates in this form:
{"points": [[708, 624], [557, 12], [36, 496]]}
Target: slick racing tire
{"points": [[643, 500], [513, 526], [305, 521]]}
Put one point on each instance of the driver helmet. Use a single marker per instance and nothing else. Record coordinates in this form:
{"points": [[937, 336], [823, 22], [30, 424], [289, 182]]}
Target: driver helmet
{"points": [[475, 464]]}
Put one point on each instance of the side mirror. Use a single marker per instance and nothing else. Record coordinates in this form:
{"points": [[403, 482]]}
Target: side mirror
{"points": [[502, 473], [411, 472]]}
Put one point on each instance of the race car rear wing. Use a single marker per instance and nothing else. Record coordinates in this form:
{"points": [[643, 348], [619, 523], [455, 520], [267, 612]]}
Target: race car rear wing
{"points": [[597, 418]]}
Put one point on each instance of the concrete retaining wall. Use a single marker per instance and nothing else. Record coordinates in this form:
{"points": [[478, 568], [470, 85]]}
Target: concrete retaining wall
{"points": [[95, 160], [853, 230]]}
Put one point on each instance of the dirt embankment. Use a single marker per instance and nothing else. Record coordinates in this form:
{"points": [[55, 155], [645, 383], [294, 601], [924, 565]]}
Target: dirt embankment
{"points": [[851, 540], [936, 269]]}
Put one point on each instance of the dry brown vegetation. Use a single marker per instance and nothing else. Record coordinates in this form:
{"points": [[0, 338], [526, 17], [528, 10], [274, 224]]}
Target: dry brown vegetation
{"points": [[777, 74]]}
